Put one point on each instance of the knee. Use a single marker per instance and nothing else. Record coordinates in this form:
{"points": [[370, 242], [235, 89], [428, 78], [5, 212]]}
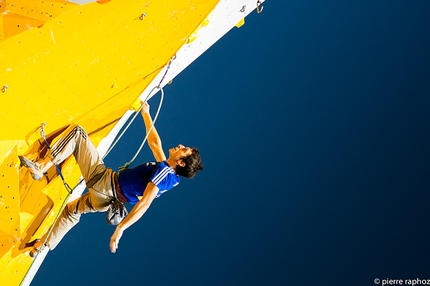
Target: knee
{"points": [[71, 213], [101, 206], [79, 129]]}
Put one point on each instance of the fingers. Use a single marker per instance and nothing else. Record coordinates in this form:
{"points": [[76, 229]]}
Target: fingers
{"points": [[145, 108], [113, 245], [114, 240]]}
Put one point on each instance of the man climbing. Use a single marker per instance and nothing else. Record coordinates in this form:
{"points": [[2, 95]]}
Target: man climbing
{"points": [[147, 181]]}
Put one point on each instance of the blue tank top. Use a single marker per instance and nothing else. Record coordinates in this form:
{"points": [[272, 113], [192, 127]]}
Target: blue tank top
{"points": [[133, 181]]}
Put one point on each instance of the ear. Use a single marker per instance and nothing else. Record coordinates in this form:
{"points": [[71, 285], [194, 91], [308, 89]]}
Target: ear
{"points": [[180, 163]]}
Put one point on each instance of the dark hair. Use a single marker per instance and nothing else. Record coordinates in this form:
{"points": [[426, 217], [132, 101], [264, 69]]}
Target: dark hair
{"points": [[193, 164]]}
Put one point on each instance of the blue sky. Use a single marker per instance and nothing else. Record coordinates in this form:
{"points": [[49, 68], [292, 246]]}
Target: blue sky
{"points": [[313, 124]]}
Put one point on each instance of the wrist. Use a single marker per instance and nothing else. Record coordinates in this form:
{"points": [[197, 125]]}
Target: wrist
{"points": [[120, 227]]}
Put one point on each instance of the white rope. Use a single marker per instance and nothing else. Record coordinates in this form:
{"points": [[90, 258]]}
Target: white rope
{"points": [[134, 117], [147, 133], [110, 149], [137, 112]]}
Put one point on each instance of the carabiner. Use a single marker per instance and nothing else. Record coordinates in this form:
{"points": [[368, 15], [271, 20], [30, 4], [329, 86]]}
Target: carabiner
{"points": [[259, 7]]}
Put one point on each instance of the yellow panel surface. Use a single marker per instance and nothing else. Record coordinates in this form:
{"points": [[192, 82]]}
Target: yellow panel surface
{"points": [[18, 16], [87, 64], [92, 57]]}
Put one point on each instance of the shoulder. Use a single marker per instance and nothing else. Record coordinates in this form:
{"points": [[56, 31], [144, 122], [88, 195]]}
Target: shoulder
{"points": [[165, 175], [163, 171]]}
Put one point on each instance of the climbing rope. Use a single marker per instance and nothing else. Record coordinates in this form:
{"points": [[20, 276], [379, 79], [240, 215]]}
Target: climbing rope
{"points": [[122, 168], [70, 190], [135, 115], [49, 231]]}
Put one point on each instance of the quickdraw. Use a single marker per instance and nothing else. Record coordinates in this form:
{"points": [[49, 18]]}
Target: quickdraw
{"points": [[42, 133], [260, 7]]}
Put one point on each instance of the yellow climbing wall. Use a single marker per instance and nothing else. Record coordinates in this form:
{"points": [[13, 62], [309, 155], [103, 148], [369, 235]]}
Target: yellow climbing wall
{"points": [[71, 63], [18, 16]]}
